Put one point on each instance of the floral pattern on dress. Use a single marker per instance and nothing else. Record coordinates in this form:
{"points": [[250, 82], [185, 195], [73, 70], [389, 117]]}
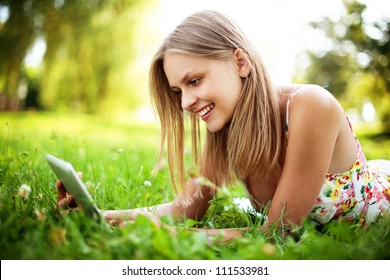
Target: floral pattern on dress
{"points": [[362, 193]]}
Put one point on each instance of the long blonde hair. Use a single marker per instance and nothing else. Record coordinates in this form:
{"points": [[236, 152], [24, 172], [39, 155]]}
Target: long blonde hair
{"points": [[251, 145]]}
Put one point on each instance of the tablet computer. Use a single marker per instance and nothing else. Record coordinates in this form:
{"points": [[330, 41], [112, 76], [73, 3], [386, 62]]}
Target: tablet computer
{"points": [[74, 186]]}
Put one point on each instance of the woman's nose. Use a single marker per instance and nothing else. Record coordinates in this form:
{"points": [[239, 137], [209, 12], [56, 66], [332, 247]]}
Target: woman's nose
{"points": [[188, 101]]}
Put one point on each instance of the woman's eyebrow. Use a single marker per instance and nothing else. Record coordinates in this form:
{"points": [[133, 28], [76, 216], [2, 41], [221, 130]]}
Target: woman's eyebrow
{"points": [[184, 79], [186, 75]]}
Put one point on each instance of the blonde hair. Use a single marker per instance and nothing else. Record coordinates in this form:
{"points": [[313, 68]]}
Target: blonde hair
{"points": [[251, 144]]}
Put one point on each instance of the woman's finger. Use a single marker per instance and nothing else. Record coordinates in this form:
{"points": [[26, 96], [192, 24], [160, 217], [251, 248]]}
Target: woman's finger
{"points": [[61, 191], [63, 203], [119, 223], [67, 202], [71, 202]]}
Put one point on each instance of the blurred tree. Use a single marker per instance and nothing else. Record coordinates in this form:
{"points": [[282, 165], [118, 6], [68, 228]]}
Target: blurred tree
{"points": [[89, 49], [355, 64], [16, 35]]}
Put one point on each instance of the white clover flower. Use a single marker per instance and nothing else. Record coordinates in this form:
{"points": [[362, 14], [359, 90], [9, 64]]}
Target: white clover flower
{"points": [[24, 191], [147, 183]]}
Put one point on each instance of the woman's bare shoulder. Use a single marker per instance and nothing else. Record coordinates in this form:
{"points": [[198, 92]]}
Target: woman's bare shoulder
{"points": [[315, 101], [314, 94]]}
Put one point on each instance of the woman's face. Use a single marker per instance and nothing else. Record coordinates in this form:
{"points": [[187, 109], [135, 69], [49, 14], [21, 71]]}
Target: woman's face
{"points": [[208, 87]]}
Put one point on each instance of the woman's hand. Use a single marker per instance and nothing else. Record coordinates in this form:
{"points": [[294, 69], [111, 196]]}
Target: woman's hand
{"points": [[64, 199], [122, 217]]}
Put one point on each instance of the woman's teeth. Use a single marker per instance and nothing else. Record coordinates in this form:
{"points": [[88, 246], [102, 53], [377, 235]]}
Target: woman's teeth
{"points": [[206, 110]]}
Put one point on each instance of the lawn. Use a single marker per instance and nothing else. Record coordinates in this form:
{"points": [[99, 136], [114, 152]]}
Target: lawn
{"points": [[116, 158]]}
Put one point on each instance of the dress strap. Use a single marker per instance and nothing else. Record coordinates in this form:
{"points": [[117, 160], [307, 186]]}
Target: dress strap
{"points": [[350, 125], [360, 150], [287, 113]]}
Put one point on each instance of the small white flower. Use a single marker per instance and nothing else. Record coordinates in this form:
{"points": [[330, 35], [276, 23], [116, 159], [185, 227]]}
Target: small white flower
{"points": [[24, 191], [147, 183]]}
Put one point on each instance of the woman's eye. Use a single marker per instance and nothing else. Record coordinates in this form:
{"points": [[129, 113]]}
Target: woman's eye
{"points": [[194, 82]]}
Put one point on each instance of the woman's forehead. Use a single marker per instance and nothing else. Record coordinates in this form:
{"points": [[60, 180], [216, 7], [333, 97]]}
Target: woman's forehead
{"points": [[178, 67]]}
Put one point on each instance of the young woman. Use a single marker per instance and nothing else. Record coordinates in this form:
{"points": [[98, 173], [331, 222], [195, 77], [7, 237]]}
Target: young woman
{"points": [[292, 146]]}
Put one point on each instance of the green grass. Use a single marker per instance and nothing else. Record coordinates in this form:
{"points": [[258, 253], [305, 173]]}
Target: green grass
{"points": [[116, 159]]}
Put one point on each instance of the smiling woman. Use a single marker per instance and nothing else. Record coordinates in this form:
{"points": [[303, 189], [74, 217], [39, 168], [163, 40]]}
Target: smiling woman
{"points": [[292, 146]]}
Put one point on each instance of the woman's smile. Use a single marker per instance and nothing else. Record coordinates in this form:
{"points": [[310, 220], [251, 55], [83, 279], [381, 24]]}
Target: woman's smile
{"points": [[205, 112]]}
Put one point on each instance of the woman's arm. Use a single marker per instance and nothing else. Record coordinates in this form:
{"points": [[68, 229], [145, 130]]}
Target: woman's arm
{"points": [[314, 126], [193, 203]]}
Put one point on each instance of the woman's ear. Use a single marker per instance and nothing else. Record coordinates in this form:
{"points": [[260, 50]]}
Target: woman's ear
{"points": [[242, 63]]}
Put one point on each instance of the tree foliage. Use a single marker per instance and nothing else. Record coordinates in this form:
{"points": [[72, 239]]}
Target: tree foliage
{"points": [[90, 47], [354, 63]]}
